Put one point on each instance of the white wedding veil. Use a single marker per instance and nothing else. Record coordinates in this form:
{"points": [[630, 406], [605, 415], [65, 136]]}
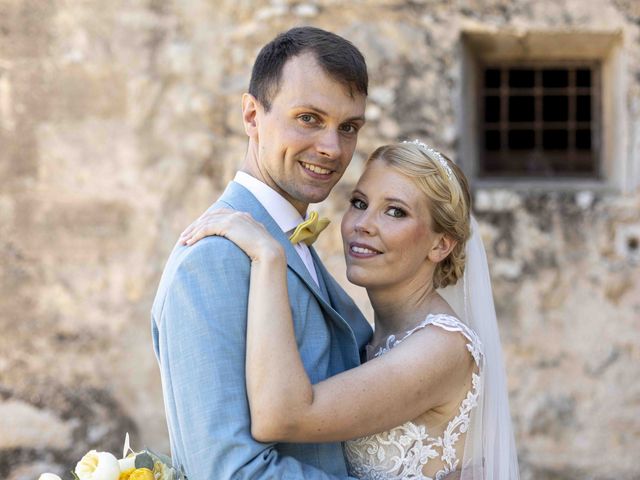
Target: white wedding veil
{"points": [[490, 452]]}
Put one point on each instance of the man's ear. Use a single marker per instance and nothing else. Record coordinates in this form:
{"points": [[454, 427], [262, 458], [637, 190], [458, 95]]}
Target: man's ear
{"points": [[441, 248], [250, 109]]}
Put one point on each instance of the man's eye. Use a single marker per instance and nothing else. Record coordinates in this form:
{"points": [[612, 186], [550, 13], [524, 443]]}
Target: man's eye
{"points": [[359, 204], [396, 212], [349, 128], [306, 118]]}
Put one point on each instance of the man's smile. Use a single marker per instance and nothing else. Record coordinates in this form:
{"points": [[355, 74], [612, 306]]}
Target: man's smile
{"points": [[316, 169]]}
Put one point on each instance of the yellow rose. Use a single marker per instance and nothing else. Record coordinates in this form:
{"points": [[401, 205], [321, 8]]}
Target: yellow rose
{"points": [[98, 466], [141, 474], [126, 474]]}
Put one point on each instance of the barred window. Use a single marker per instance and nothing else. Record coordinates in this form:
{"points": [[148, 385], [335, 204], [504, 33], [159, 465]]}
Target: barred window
{"points": [[539, 120]]}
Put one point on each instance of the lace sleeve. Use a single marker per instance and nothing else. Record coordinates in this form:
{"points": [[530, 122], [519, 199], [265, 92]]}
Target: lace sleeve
{"points": [[452, 324], [406, 450], [449, 323]]}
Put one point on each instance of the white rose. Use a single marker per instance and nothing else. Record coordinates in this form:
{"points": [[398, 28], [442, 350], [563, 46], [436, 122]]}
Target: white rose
{"points": [[127, 463], [49, 476], [98, 466]]}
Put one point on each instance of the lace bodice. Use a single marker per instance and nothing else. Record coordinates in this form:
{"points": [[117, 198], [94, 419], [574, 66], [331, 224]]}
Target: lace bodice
{"points": [[403, 452]]}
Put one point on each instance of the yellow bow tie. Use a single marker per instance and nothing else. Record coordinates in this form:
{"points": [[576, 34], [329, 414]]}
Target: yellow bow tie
{"points": [[309, 230]]}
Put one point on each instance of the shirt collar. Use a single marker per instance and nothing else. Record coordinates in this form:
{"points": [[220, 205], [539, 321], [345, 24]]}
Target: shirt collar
{"points": [[284, 214]]}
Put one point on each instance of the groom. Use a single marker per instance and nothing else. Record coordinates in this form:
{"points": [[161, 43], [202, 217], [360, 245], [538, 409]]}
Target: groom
{"points": [[302, 115]]}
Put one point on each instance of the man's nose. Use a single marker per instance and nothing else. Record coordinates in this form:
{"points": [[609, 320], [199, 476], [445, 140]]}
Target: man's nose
{"points": [[329, 144]]}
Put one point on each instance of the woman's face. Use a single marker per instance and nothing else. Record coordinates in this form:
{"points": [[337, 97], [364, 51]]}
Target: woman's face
{"points": [[386, 231]]}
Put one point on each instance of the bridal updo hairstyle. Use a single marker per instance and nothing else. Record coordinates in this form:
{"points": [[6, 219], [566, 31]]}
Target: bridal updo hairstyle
{"points": [[449, 200]]}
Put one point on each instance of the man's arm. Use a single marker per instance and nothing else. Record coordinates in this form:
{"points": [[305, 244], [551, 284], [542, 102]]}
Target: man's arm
{"points": [[202, 356]]}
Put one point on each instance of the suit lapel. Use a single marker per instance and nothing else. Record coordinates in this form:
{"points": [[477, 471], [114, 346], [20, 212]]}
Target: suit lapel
{"points": [[346, 310], [239, 198], [333, 301], [321, 278]]}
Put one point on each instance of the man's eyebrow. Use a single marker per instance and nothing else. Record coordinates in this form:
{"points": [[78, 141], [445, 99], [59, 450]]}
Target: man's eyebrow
{"points": [[359, 118], [307, 106]]}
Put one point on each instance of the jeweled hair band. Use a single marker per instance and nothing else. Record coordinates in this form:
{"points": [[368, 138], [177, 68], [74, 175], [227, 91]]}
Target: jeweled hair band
{"points": [[434, 154]]}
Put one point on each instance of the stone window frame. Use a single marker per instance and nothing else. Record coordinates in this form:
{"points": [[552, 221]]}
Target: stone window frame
{"points": [[479, 47], [572, 156]]}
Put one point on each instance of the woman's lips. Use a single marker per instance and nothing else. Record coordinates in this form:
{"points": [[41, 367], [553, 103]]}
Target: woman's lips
{"points": [[361, 250]]}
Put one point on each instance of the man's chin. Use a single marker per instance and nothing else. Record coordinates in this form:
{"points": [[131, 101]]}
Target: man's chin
{"points": [[314, 197]]}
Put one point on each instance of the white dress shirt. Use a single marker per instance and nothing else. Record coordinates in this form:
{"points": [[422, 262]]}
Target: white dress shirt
{"points": [[284, 214]]}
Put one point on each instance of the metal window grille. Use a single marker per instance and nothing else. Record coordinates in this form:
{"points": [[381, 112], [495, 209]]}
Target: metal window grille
{"points": [[539, 120]]}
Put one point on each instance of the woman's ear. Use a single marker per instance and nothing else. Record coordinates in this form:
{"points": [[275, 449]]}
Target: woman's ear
{"points": [[441, 248], [250, 110]]}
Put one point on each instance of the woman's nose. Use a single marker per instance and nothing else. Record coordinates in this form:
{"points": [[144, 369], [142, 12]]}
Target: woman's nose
{"points": [[364, 224]]}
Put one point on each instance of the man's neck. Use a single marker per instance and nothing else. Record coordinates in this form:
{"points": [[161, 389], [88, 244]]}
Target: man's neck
{"points": [[251, 167]]}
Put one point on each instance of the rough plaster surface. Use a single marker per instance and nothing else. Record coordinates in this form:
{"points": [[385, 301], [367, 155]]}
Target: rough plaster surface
{"points": [[120, 123]]}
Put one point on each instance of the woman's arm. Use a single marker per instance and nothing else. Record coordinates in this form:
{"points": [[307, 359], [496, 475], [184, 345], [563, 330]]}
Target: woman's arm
{"points": [[278, 386], [430, 366], [385, 392]]}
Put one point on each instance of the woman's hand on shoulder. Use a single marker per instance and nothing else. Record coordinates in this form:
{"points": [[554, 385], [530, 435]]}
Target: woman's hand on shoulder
{"points": [[239, 227]]}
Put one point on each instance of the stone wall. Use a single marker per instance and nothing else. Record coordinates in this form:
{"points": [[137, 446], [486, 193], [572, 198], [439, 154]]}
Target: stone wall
{"points": [[120, 123]]}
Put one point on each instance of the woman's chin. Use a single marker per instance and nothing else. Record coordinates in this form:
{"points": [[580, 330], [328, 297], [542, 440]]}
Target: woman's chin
{"points": [[358, 278]]}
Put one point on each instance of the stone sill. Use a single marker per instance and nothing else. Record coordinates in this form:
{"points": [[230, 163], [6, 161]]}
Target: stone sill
{"points": [[562, 185]]}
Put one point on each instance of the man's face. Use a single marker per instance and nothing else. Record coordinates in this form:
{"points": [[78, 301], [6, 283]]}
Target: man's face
{"points": [[306, 140]]}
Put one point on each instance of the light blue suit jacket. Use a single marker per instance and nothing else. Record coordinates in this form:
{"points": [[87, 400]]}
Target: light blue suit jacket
{"points": [[199, 321]]}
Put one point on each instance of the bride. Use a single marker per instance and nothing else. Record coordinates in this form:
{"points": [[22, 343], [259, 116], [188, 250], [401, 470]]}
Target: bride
{"points": [[430, 401]]}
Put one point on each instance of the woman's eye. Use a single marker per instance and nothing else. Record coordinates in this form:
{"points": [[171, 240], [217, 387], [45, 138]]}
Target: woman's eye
{"points": [[396, 212], [359, 204]]}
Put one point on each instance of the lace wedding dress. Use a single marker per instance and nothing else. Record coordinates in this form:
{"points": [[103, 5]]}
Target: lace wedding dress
{"points": [[406, 451]]}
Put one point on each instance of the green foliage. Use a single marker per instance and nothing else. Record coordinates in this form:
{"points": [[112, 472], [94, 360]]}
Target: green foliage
{"points": [[161, 457], [144, 460]]}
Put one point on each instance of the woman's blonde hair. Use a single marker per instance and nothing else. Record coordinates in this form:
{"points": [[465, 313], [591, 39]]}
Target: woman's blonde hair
{"points": [[449, 199]]}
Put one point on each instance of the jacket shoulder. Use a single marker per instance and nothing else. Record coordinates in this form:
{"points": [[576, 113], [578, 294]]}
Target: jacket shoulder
{"points": [[210, 258]]}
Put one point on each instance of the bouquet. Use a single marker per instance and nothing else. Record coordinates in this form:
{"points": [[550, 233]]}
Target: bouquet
{"points": [[143, 465]]}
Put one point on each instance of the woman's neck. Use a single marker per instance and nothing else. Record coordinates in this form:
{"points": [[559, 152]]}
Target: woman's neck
{"points": [[399, 309]]}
